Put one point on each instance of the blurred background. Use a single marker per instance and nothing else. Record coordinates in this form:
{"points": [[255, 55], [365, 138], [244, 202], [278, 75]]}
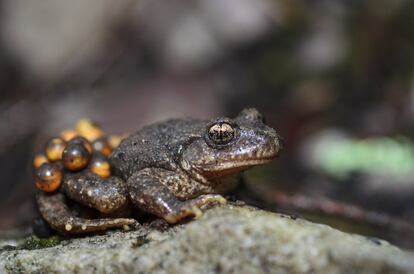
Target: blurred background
{"points": [[335, 78]]}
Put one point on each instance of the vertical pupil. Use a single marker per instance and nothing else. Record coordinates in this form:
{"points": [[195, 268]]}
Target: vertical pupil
{"points": [[221, 133]]}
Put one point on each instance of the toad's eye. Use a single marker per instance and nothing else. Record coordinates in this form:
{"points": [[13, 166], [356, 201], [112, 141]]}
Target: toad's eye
{"points": [[221, 133]]}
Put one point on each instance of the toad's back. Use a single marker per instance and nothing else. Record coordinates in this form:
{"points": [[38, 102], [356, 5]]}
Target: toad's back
{"points": [[157, 145]]}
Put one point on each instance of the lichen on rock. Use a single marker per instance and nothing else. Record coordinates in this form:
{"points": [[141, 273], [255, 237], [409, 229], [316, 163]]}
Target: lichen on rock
{"points": [[226, 239]]}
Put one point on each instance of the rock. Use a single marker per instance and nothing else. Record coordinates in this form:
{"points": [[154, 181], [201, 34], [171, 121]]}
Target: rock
{"points": [[226, 239]]}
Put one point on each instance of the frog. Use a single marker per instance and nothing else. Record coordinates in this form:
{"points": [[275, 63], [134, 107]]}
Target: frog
{"points": [[172, 170]]}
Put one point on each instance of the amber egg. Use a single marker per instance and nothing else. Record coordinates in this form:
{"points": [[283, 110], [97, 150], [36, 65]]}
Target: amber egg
{"points": [[102, 145], [115, 140], [82, 141], [39, 160], [68, 134], [88, 129], [54, 148], [48, 177], [75, 157], [100, 165]]}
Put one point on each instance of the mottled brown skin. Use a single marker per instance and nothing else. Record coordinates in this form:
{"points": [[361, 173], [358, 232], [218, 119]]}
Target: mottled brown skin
{"points": [[172, 169]]}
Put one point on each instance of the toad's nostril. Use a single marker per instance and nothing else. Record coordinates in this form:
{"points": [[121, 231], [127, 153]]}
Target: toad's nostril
{"points": [[270, 149]]}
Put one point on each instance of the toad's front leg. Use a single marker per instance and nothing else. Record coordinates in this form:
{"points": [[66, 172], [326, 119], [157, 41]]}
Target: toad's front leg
{"points": [[151, 190], [54, 210]]}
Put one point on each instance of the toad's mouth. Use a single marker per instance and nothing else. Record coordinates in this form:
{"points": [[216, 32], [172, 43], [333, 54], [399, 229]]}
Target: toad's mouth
{"points": [[230, 167]]}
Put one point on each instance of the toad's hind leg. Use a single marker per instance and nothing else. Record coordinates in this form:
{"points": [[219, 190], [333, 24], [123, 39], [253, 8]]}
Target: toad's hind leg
{"points": [[150, 190], [54, 210]]}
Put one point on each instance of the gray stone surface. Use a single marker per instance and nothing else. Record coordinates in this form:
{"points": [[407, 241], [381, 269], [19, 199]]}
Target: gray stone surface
{"points": [[227, 239]]}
